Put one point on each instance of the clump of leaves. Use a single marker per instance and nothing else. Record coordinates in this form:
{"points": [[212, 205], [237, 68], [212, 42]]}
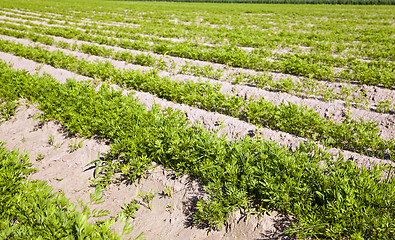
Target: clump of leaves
{"points": [[31, 210], [130, 209], [74, 145], [51, 140], [330, 199], [384, 106], [40, 157], [148, 197], [7, 109], [167, 191]]}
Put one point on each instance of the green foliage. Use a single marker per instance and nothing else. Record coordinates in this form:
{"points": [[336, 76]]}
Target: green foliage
{"points": [[384, 106], [51, 140], [329, 199], [148, 197], [168, 192], [348, 2], [131, 208], [319, 64], [358, 136], [74, 145], [7, 109], [40, 157], [30, 210]]}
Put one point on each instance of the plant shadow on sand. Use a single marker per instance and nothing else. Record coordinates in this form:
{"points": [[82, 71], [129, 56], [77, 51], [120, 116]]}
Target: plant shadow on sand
{"points": [[281, 224]]}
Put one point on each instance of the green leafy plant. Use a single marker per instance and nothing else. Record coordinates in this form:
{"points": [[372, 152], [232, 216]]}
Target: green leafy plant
{"points": [[51, 140], [7, 109], [170, 208], [384, 106], [74, 145], [40, 157], [148, 197], [31, 210], [167, 191], [130, 209]]}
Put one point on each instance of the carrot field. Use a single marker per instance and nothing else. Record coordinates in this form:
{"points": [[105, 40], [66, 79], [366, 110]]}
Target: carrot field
{"points": [[161, 120]]}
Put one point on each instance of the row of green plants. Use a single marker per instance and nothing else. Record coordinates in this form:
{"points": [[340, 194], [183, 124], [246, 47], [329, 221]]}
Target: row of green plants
{"points": [[307, 87], [328, 199], [377, 73], [29, 209], [348, 2], [373, 43], [350, 134], [373, 38]]}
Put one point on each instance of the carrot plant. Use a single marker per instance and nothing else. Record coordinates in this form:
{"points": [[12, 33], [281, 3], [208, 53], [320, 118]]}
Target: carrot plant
{"points": [[7, 109], [307, 87]]}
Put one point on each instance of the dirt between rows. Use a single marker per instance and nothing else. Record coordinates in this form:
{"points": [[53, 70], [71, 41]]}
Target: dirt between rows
{"points": [[335, 111]]}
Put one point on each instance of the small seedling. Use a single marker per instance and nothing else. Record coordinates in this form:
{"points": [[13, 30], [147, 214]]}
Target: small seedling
{"points": [[220, 121], [39, 157], [168, 192], [51, 140], [74, 145], [170, 208], [148, 197], [38, 68], [130, 209]]}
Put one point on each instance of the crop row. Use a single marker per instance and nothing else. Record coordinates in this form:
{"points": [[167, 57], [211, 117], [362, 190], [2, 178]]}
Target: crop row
{"points": [[373, 38], [358, 136], [347, 2], [319, 66], [328, 198], [304, 87]]}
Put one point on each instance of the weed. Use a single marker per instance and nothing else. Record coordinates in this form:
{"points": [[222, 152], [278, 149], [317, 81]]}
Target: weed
{"points": [[148, 197], [130, 209], [168, 192], [40, 157], [74, 145], [170, 208], [51, 140]]}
